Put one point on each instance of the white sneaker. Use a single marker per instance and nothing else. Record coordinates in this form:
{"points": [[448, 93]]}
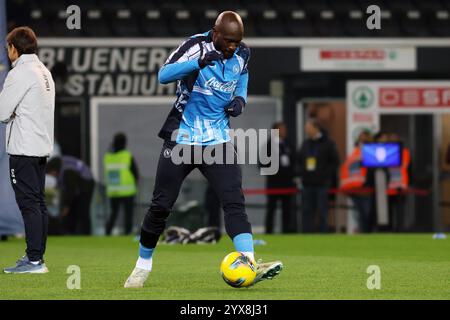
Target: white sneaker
{"points": [[137, 278], [268, 270]]}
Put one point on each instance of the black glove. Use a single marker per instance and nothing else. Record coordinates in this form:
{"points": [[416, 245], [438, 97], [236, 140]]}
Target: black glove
{"points": [[235, 107], [209, 58]]}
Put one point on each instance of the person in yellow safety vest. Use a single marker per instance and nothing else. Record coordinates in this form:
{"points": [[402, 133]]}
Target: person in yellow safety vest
{"points": [[398, 183], [121, 178], [353, 176]]}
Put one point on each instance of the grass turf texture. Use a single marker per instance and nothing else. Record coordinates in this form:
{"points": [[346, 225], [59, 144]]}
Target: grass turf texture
{"points": [[316, 267]]}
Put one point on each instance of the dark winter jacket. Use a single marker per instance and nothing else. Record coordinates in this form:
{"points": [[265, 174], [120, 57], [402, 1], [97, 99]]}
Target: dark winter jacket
{"points": [[323, 159]]}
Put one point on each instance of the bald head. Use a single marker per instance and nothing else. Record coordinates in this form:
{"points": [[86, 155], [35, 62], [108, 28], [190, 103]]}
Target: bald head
{"points": [[230, 22], [228, 32]]}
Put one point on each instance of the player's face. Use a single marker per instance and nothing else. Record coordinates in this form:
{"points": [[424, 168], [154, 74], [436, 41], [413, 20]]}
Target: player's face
{"points": [[227, 43]]}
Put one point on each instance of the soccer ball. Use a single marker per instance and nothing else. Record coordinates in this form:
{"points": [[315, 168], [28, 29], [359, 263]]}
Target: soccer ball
{"points": [[237, 270]]}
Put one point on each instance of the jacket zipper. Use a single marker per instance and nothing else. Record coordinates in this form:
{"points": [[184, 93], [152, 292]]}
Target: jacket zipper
{"points": [[223, 70]]}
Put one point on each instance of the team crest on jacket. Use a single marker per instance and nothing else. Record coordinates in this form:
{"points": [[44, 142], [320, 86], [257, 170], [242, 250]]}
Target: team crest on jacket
{"points": [[236, 69], [167, 153]]}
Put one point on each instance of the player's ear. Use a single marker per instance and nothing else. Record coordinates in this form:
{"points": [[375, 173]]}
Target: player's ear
{"points": [[14, 49], [215, 34]]}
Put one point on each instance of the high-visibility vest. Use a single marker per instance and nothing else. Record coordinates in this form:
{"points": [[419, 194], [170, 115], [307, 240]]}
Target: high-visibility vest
{"points": [[352, 174], [398, 176], [120, 181]]}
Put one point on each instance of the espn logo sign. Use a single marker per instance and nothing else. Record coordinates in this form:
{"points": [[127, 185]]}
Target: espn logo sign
{"points": [[397, 97]]}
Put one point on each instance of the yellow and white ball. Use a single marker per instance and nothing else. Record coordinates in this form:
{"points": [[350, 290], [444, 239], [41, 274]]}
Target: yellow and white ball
{"points": [[238, 270]]}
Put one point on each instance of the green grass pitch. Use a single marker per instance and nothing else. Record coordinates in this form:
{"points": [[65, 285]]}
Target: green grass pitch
{"points": [[316, 267]]}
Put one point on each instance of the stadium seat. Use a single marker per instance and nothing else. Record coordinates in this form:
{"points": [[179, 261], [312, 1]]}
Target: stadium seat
{"points": [[111, 10], [257, 7], [429, 6], [440, 23], [400, 6], [40, 23], [153, 24], [354, 24], [313, 8], [201, 6], [50, 9], [270, 25], [94, 24], [182, 24], [111, 7], [299, 25], [169, 7], [343, 7], [412, 21], [207, 19], [413, 24], [285, 7], [140, 7], [364, 4], [87, 5], [328, 25], [125, 24], [234, 5], [265, 18], [389, 25], [434, 15]]}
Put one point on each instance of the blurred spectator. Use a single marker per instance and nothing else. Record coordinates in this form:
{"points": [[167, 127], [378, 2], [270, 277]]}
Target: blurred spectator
{"points": [[52, 196], [60, 75], [399, 178], [282, 179], [121, 180], [76, 186], [318, 161], [353, 178], [381, 136]]}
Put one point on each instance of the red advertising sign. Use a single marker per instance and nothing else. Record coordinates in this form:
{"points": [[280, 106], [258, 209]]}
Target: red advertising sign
{"points": [[363, 117], [370, 54], [418, 97]]}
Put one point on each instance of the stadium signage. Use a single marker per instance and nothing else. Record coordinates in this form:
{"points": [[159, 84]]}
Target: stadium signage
{"points": [[399, 97], [367, 100], [110, 71], [358, 59]]}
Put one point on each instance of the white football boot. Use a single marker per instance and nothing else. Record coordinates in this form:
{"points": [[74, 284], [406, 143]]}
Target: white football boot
{"points": [[137, 278]]}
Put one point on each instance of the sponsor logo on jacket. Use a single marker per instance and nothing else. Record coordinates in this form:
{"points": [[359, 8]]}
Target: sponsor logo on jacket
{"points": [[226, 87]]}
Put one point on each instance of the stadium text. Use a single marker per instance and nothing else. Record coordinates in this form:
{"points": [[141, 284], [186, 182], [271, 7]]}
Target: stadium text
{"points": [[110, 71]]}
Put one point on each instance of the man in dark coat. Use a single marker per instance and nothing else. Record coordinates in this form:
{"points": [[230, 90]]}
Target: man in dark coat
{"points": [[318, 161]]}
